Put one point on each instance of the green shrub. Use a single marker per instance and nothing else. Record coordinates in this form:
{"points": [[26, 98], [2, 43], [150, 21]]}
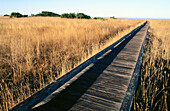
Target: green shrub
{"points": [[47, 13], [6, 15], [68, 15], [64, 15], [82, 16], [15, 14], [99, 18], [113, 17], [25, 16], [73, 15]]}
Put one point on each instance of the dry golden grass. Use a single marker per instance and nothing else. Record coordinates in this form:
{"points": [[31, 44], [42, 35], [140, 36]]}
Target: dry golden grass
{"points": [[154, 82], [35, 51]]}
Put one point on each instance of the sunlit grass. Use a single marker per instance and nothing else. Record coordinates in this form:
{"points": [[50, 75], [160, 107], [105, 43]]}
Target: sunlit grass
{"points": [[35, 51]]}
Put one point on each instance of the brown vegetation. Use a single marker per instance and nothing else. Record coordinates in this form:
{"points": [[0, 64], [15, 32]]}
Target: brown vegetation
{"points": [[35, 51], [154, 83]]}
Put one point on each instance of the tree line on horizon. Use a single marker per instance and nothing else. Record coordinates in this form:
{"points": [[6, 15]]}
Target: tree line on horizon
{"points": [[52, 14]]}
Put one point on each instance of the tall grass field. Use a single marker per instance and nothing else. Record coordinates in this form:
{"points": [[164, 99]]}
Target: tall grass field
{"points": [[35, 51], [153, 92]]}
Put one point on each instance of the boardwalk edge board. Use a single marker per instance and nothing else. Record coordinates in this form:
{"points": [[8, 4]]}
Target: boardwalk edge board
{"points": [[45, 92], [129, 96]]}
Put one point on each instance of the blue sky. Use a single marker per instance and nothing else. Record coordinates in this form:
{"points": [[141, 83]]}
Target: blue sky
{"points": [[101, 8]]}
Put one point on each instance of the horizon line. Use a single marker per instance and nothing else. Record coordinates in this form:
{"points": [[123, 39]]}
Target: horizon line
{"points": [[142, 18]]}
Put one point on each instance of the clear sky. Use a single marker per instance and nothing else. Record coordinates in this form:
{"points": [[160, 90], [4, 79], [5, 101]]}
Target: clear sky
{"points": [[101, 8]]}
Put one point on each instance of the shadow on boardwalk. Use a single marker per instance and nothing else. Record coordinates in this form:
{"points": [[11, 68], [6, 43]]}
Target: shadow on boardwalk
{"points": [[69, 96]]}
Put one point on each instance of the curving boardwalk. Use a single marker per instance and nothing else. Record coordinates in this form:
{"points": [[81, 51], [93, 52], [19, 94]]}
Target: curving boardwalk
{"points": [[108, 84]]}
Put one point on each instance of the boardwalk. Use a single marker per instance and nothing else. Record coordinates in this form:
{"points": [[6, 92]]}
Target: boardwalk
{"points": [[103, 85]]}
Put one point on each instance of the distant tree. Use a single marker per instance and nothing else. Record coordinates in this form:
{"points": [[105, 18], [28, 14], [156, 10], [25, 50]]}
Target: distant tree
{"points": [[99, 18], [47, 13], [6, 15], [24, 15], [16, 14], [64, 15], [82, 16], [113, 17], [68, 15], [72, 15]]}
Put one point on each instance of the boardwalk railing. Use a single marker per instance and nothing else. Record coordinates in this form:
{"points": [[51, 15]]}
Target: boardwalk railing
{"points": [[45, 92]]}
